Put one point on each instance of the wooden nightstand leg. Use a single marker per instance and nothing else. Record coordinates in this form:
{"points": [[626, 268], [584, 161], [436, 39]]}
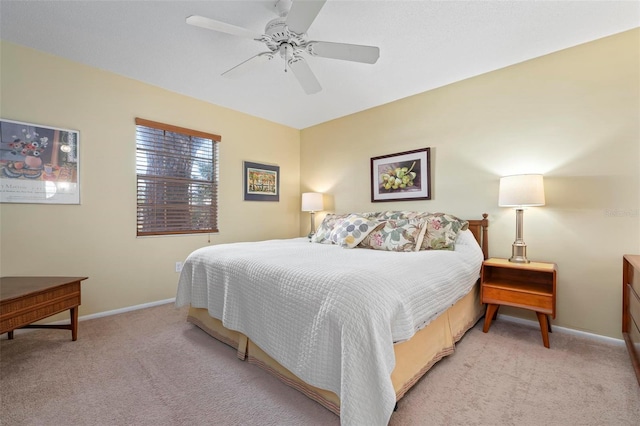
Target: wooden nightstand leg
{"points": [[544, 327], [488, 316]]}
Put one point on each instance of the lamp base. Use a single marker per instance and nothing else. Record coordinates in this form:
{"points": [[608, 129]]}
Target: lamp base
{"points": [[312, 232], [519, 253], [519, 248]]}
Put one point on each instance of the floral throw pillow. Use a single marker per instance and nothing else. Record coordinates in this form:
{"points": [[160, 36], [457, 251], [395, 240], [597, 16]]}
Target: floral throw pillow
{"points": [[441, 231], [352, 230], [396, 235], [402, 214], [329, 222]]}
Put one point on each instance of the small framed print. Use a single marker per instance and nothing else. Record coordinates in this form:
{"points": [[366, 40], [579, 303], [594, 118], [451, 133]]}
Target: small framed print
{"points": [[261, 182], [38, 164], [403, 176]]}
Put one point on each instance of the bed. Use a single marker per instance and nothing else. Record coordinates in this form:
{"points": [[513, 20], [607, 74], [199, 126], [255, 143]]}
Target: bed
{"points": [[352, 328]]}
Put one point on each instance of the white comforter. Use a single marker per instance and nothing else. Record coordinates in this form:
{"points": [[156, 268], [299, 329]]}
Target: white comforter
{"points": [[330, 315]]}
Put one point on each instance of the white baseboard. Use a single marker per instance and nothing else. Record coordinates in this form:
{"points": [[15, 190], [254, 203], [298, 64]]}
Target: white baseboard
{"points": [[585, 334], [102, 314], [530, 323], [122, 310]]}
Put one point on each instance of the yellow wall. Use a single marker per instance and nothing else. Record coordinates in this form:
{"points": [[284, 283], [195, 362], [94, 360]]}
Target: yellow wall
{"points": [[573, 115], [98, 237]]}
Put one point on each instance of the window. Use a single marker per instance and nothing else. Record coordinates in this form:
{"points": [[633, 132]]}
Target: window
{"points": [[177, 179]]}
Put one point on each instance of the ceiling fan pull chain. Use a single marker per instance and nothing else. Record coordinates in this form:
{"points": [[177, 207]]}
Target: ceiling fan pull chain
{"points": [[286, 52]]}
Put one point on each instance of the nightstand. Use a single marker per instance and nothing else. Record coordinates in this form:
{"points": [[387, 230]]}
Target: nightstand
{"points": [[523, 285]]}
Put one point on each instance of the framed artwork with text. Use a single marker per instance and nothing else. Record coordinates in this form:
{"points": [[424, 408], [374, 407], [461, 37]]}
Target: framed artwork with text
{"points": [[38, 164]]}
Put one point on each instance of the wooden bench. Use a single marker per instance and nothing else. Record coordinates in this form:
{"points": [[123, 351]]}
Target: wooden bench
{"points": [[25, 300]]}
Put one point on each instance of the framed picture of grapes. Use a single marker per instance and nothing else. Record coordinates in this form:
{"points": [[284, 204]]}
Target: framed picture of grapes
{"points": [[403, 176]]}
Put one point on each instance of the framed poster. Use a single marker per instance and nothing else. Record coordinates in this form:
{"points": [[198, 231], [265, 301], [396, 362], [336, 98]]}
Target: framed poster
{"points": [[401, 177], [38, 164], [261, 182]]}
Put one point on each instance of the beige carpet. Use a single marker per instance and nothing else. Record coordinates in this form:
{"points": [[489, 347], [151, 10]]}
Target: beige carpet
{"points": [[151, 367]]}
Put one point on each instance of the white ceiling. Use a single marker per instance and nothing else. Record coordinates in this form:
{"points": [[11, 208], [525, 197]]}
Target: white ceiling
{"points": [[423, 45]]}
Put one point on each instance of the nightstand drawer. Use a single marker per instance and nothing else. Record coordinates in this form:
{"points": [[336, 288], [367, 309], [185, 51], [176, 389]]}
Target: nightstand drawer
{"points": [[504, 296]]}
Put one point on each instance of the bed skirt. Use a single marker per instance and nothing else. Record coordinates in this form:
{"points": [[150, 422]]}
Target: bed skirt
{"points": [[414, 357]]}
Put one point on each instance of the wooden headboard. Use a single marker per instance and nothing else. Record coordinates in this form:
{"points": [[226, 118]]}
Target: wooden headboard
{"points": [[479, 229]]}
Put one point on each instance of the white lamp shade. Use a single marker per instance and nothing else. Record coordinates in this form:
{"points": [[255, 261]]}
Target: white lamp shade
{"points": [[312, 202], [521, 190]]}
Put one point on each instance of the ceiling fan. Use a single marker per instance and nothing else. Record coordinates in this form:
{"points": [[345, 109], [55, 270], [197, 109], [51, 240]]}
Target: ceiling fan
{"points": [[287, 35]]}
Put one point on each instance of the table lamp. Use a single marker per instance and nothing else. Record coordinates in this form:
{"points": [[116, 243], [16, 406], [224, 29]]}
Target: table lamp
{"points": [[312, 202], [520, 191]]}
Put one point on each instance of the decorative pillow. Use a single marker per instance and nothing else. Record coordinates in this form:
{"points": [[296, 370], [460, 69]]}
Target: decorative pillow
{"points": [[390, 214], [442, 231], [402, 214], [329, 222], [352, 230], [396, 235], [371, 215]]}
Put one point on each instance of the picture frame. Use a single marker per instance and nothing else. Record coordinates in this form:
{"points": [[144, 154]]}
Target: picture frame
{"points": [[411, 171], [261, 182], [38, 164]]}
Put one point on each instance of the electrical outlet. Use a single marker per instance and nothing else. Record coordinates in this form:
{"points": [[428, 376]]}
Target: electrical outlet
{"points": [[178, 266]]}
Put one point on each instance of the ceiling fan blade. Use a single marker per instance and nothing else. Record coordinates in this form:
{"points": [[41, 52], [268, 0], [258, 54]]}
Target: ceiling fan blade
{"points": [[302, 14], [305, 76], [248, 65], [211, 24], [346, 52]]}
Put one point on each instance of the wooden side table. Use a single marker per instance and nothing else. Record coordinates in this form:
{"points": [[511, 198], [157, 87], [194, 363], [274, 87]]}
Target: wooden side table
{"points": [[523, 285], [24, 300]]}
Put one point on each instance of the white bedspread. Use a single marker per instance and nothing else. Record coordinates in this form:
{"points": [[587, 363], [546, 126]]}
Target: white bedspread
{"points": [[330, 315]]}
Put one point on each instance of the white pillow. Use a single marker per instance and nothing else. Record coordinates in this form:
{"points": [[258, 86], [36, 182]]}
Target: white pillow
{"points": [[352, 230], [329, 223]]}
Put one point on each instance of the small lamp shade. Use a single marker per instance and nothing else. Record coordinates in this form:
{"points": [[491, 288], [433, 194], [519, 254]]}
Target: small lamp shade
{"points": [[521, 191], [312, 202]]}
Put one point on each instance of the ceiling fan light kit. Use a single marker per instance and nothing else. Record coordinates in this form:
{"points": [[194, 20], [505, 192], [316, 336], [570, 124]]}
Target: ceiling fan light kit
{"points": [[287, 36]]}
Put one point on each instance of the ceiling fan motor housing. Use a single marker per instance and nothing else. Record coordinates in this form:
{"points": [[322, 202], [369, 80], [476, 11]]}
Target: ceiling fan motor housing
{"points": [[277, 33]]}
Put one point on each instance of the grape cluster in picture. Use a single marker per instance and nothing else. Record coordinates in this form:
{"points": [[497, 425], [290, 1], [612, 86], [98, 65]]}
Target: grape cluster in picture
{"points": [[398, 178]]}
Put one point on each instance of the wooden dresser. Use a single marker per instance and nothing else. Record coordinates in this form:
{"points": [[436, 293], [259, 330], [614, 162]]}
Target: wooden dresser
{"points": [[631, 308]]}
